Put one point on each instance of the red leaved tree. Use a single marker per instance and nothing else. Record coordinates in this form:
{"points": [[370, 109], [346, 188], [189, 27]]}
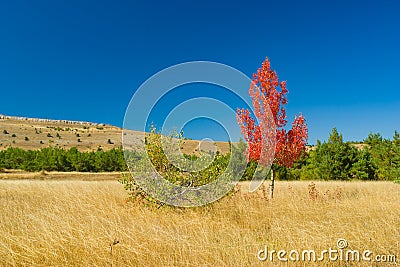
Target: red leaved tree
{"points": [[269, 100]]}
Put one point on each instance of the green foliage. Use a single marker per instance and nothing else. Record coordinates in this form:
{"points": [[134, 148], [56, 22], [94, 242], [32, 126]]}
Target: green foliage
{"points": [[136, 194], [385, 155], [335, 159], [5, 132], [163, 165], [297, 172], [13, 135], [362, 169], [332, 160], [338, 160], [57, 159], [154, 153]]}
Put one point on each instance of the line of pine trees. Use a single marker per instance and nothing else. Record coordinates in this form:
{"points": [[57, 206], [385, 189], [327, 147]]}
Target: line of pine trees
{"points": [[378, 159], [57, 159]]}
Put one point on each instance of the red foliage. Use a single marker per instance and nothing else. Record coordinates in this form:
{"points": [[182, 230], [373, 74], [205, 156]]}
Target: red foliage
{"points": [[268, 103]]}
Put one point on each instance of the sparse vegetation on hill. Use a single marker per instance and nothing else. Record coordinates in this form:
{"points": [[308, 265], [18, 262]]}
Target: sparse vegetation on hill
{"points": [[91, 136]]}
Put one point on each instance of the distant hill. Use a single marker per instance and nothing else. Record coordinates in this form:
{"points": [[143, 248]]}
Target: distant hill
{"points": [[36, 133]]}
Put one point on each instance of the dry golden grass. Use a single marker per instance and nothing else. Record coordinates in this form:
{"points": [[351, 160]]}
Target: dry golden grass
{"points": [[73, 223], [44, 175]]}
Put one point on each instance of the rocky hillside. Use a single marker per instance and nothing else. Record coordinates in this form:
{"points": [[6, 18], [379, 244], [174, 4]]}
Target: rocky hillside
{"points": [[34, 133]]}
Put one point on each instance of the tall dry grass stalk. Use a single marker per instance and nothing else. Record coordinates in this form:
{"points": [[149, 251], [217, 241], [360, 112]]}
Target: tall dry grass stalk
{"points": [[73, 223]]}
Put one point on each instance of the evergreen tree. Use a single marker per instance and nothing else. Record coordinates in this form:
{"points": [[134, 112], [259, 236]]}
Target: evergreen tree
{"points": [[362, 169], [384, 156], [331, 160]]}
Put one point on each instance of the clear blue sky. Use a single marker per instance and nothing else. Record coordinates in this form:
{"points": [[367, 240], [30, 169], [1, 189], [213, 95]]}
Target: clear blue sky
{"points": [[83, 60]]}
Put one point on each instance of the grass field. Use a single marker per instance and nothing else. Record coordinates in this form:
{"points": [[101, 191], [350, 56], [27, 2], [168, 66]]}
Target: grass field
{"points": [[72, 222]]}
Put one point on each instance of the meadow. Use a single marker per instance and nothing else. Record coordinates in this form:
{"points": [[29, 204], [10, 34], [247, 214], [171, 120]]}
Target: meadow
{"points": [[78, 222]]}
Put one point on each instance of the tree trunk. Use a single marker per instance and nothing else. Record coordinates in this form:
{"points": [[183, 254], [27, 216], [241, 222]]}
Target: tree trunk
{"points": [[271, 186]]}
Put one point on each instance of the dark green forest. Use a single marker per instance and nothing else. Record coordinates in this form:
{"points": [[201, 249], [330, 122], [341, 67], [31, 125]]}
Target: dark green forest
{"points": [[375, 159], [58, 159]]}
